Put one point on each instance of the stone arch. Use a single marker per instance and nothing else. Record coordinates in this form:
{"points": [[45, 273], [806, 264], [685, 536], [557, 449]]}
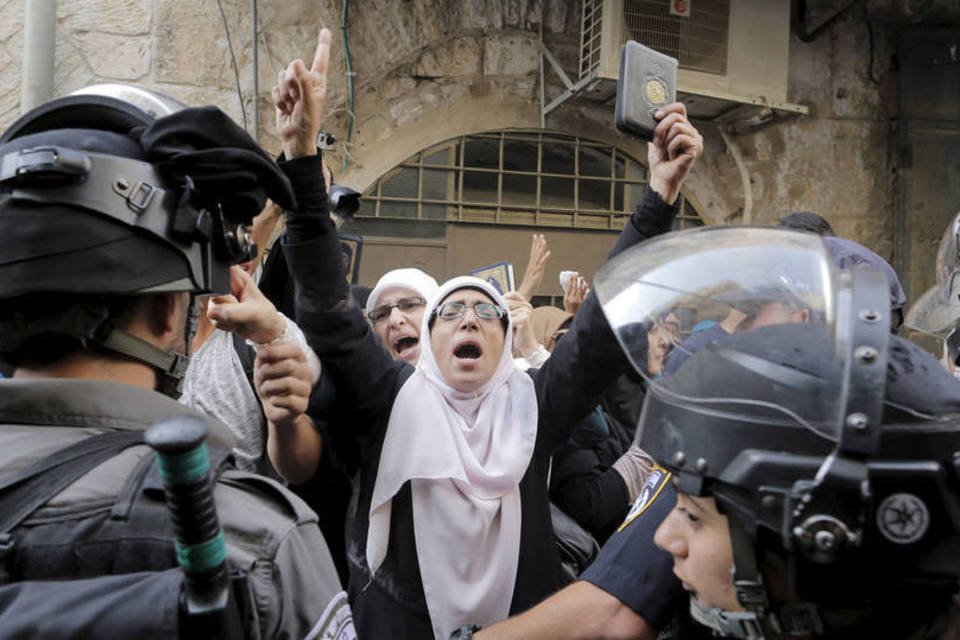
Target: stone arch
{"points": [[492, 105]]}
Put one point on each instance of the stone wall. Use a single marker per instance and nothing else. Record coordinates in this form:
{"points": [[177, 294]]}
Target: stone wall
{"points": [[426, 71]]}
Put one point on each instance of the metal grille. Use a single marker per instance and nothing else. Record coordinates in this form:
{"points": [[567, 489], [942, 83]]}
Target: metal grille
{"points": [[698, 42], [516, 177], [590, 35]]}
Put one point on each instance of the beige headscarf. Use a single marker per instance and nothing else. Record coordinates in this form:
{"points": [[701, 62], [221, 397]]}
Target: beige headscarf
{"points": [[546, 321]]}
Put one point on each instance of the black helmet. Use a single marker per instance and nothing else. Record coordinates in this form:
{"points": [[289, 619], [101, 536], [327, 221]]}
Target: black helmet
{"points": [[121, 192], [829, 444]]}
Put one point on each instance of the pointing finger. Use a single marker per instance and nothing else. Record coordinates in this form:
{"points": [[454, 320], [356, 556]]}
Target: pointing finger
{"points": [[321, 56]]}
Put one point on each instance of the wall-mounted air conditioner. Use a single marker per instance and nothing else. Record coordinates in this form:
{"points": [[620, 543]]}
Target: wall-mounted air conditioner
{"points": [[733, 54]]}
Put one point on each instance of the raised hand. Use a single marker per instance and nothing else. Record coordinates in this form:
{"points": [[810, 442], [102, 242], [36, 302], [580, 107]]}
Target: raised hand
{"points": [[299, 98], [675, 148], [524, 342], [245, 310], [533, 276], [575, 293]]}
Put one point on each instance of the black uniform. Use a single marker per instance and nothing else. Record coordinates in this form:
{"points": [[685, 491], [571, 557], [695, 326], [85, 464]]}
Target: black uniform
{"points": [[636, 572]]}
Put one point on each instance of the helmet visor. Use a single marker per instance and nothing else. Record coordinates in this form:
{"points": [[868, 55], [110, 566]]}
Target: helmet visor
{"points": [[683, 292], [948, 262]]}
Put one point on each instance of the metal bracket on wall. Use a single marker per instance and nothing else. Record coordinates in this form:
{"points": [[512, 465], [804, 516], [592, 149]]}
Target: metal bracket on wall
{"points": [[571, 89]]}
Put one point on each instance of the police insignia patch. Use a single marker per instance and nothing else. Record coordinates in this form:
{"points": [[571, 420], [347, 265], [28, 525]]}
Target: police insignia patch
{"points": [[658, 479], [903, 518]]}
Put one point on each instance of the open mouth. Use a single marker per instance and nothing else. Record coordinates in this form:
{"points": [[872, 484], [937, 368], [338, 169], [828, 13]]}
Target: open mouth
{"points": [[407, 342], [468, 351]]}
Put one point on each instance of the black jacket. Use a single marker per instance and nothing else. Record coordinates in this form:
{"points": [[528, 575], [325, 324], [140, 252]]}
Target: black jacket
{"points": [[392, 603], [583, 481]]}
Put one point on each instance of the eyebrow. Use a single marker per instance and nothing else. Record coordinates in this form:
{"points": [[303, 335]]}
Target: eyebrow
{"points": [[695, 501], [463, 300], [383, 302]]}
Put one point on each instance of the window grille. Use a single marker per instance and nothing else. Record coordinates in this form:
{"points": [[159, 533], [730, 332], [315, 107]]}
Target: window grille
{"points": [[516, 177]]}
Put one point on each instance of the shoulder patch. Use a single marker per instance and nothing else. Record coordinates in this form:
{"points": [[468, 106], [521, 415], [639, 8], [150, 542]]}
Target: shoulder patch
{"points": [[336, 623], [651, 490]]}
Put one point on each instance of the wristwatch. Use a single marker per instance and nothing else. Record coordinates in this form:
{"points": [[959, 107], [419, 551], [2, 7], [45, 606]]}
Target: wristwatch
{"points": [[465, 632]]}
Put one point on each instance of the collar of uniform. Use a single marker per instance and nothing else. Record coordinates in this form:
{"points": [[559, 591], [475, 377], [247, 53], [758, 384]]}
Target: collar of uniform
{"points": [[97, 404]]}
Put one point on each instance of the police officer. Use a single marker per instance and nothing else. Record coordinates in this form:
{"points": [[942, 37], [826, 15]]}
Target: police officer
{"points": [[629, 591], [815, 459], [111, 221]]}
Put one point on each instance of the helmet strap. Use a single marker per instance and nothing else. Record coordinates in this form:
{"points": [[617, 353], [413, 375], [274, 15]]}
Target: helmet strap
{"points": [[170, 367]]}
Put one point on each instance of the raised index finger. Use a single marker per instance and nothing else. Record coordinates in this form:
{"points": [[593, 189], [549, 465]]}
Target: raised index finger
{"points": [[321, 57]]}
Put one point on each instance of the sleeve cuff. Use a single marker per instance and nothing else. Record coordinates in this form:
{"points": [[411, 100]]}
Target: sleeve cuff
{"points": [[292, 333], [538, 357]]}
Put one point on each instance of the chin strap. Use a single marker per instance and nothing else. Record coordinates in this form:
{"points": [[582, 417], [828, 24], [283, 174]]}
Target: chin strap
{"points": [[170, 367], [795, 619], [729, 624], [759, 620], [90, 324]]}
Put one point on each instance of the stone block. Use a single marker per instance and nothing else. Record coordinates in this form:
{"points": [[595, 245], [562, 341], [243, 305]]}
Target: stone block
{"points": [[481, 15], [9, 108], [391, 88], [116, 57], [9, 72], [405, 110], [459, 57], [11, 19], [121, 17], [510, 55], [853, 94], [556, 15], [70, 71], [190, 46], [193, 96]]}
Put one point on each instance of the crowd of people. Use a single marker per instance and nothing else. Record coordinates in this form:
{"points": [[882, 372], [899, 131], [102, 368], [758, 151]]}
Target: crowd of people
{"points": [[722, 434]]}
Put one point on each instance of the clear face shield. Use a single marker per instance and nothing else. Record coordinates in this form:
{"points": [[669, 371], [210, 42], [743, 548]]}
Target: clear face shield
{"points": [[948, 262], [772, 393], [682, 292], [932, 321]]}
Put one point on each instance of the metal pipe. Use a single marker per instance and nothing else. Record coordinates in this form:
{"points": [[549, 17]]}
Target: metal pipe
{"points": [[351, 105], [39, 44], [543, 90], [256, 75]]}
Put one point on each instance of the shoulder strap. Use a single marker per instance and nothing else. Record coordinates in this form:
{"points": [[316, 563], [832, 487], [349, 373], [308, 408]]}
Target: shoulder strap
{"points": [[25, 492]]}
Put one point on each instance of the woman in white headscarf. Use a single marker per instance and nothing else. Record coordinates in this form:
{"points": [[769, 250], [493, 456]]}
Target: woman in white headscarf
{"points": [[453, 521], [461, 432]]}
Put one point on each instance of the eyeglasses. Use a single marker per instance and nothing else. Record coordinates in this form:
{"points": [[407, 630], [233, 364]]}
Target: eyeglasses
{"points": [[483, 310], [406, 305]]}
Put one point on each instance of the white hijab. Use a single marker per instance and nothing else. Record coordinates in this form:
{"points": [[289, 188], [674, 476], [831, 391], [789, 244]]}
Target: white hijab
{"points": [[411, 278], [465, 454]]}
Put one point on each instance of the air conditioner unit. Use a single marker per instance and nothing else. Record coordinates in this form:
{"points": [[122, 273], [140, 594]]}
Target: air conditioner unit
{"points": [[733, 54]]}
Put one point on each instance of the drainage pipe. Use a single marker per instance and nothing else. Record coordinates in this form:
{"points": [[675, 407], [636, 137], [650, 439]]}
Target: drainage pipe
{"points": [[39, 44]]}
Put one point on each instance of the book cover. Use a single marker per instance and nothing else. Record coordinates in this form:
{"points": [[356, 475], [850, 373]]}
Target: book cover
{"points": [[499, 274]]}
